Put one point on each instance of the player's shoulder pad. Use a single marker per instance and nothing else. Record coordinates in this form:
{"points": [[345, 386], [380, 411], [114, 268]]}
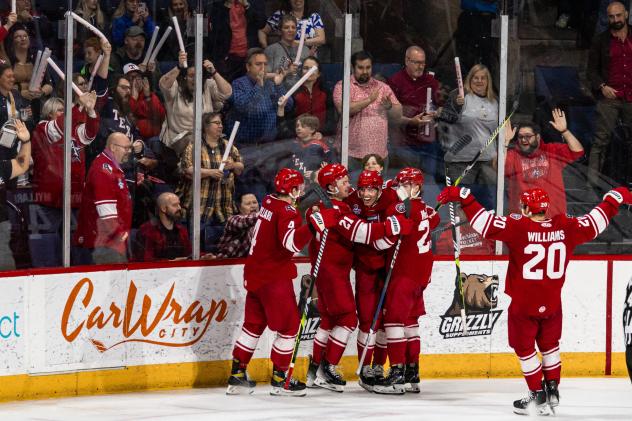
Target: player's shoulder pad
{"points": [[516, 216]]}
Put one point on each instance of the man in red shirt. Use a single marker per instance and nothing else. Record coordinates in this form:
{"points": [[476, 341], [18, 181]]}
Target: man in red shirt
{"points": [[532, 163], [268, 275], [539, 251], [410, 85], [608, 70], [370, 203], [105, 215]]}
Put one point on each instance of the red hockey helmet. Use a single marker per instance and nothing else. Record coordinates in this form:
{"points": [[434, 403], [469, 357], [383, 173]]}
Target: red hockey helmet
{"points": [[410, 175], [331, 173], [370, 179], [286, 179], [536, 200]]}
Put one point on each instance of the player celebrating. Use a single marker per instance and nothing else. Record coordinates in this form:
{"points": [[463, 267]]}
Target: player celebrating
{"points": [[336, 303], [539, 251], [404, 298], [370, 203], [268, 275]]}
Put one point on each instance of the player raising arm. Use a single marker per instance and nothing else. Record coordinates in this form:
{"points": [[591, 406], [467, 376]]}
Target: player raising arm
{"points": [[539, 252]]}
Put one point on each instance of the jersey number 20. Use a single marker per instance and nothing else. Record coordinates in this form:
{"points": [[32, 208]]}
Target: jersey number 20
{"points": [[555, 256]]}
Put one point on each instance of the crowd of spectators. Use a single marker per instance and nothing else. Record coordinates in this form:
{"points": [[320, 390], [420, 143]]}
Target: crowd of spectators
{"points": [[133, 129]]}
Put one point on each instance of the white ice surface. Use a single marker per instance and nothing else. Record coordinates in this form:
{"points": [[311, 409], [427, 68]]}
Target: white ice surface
{"points": [[581, 399]]}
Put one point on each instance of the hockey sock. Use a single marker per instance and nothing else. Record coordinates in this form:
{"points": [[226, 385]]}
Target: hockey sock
{"points": [[282, 348], [413, 345], [245, 346], [380, 353], [532, 370], [552, 364], [396, 343], [337, 343], [362, 338], [320, 344]]}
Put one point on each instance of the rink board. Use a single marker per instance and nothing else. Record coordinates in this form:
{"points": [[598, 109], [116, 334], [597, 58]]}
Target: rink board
{"points": [[146, 327]]}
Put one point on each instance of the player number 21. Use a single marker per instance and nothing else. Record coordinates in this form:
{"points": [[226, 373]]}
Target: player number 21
{"points": [[555, 255]]}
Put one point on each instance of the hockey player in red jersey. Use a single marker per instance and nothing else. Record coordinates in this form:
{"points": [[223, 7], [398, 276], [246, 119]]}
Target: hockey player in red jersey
{"points": [[404, 302], [370, 202], [539, 252], [336, 303], [268, 275]]}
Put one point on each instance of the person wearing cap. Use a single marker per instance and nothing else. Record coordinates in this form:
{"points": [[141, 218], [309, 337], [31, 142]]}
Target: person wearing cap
{"points": [[130, 13], [145, 105], [133, 52]]}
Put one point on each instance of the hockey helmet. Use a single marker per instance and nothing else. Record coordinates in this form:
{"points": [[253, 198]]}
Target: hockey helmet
{"points": [[536, 200], [370, 179], [286, 179], [410, 175], [331, 173]]}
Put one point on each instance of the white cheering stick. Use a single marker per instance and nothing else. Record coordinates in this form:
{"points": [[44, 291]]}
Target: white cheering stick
{"points": [[57, 70], [301, 42], [299, 83], [459, 76], [13, 7], [95, 69], [231, 140], [154, 53], [88, 25], [428, 102], [41, 69], [179, 35], [154, 36], [35, 71]]}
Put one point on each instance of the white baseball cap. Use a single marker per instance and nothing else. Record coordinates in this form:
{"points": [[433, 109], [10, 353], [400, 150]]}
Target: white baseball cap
{"points": [[130, 67]]}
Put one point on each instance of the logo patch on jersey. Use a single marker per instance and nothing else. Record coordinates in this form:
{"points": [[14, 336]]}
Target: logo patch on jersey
{"points": [[107, 167], [481, 301], [120, 184], [515, 216], [290, 208], [400, 208], [356, 209], [546, 224]]}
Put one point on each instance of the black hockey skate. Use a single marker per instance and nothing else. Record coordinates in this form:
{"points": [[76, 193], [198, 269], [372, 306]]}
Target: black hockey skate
{"points": [[378, 372], [296, 388], [533, 404], [552, 392], [366, 379], [394, 383], [328, 377], [239, 382], [412, 378], [311, 374]]}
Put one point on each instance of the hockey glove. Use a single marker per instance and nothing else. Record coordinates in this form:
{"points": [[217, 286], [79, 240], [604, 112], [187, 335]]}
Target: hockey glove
{"points": [[324, 219], [455, 194], [398, 225], [618, 196]]}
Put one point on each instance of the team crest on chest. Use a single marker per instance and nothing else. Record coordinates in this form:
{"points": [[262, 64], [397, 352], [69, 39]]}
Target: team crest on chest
{"points": [[400, 208], [107, 167], [356, 209], [120, 184]]}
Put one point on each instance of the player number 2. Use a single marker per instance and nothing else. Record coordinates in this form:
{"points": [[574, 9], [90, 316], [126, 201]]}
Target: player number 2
{"points": [[424, 243], [555, 255]]}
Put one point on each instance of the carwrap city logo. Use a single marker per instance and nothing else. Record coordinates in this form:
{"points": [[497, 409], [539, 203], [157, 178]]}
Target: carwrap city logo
{"points": [[160, 319], [481, 299]]}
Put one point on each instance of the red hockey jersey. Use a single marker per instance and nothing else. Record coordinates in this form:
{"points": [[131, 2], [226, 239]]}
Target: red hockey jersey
{"points": [[539, 252], [366, 255], [277, 235], [105, 215], [415, 257]]}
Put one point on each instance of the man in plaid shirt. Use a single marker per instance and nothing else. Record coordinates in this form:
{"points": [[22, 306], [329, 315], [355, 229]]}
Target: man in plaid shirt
{"points": [[238, 231]]}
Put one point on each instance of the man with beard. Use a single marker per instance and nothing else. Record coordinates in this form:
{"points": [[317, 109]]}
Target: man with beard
{"points": [[165, 238], [132, 51], [532, 163], [105, 215], [608, 71], [372, 102]]}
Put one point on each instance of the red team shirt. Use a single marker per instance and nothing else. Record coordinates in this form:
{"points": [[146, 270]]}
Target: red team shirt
{"points": [[539, 252], [278, 234], [105, 214]]}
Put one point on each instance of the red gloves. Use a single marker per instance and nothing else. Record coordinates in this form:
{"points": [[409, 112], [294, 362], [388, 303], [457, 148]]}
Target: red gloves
{"points": [[455, 194], [398, 225], [619, 196], [324, 219]]}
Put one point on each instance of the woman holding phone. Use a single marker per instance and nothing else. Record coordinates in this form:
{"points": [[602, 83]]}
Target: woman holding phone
{"points": [[130, 13]]}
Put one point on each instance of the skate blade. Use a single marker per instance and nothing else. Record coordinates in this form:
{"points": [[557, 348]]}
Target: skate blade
{"points": [[397, 389], [535, 411], [413, 388], [239, 390], [280, 391], [365, 386], [325, 385]]}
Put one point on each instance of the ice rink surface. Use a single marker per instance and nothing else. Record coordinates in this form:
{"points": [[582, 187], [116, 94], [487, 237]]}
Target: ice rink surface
{"points": [[446, 400]]}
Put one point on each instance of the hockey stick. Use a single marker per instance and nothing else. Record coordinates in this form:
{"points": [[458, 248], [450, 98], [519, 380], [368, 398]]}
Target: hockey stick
{"points": [[457, 255], [308, 298], [491, 139], [383, 293]]}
